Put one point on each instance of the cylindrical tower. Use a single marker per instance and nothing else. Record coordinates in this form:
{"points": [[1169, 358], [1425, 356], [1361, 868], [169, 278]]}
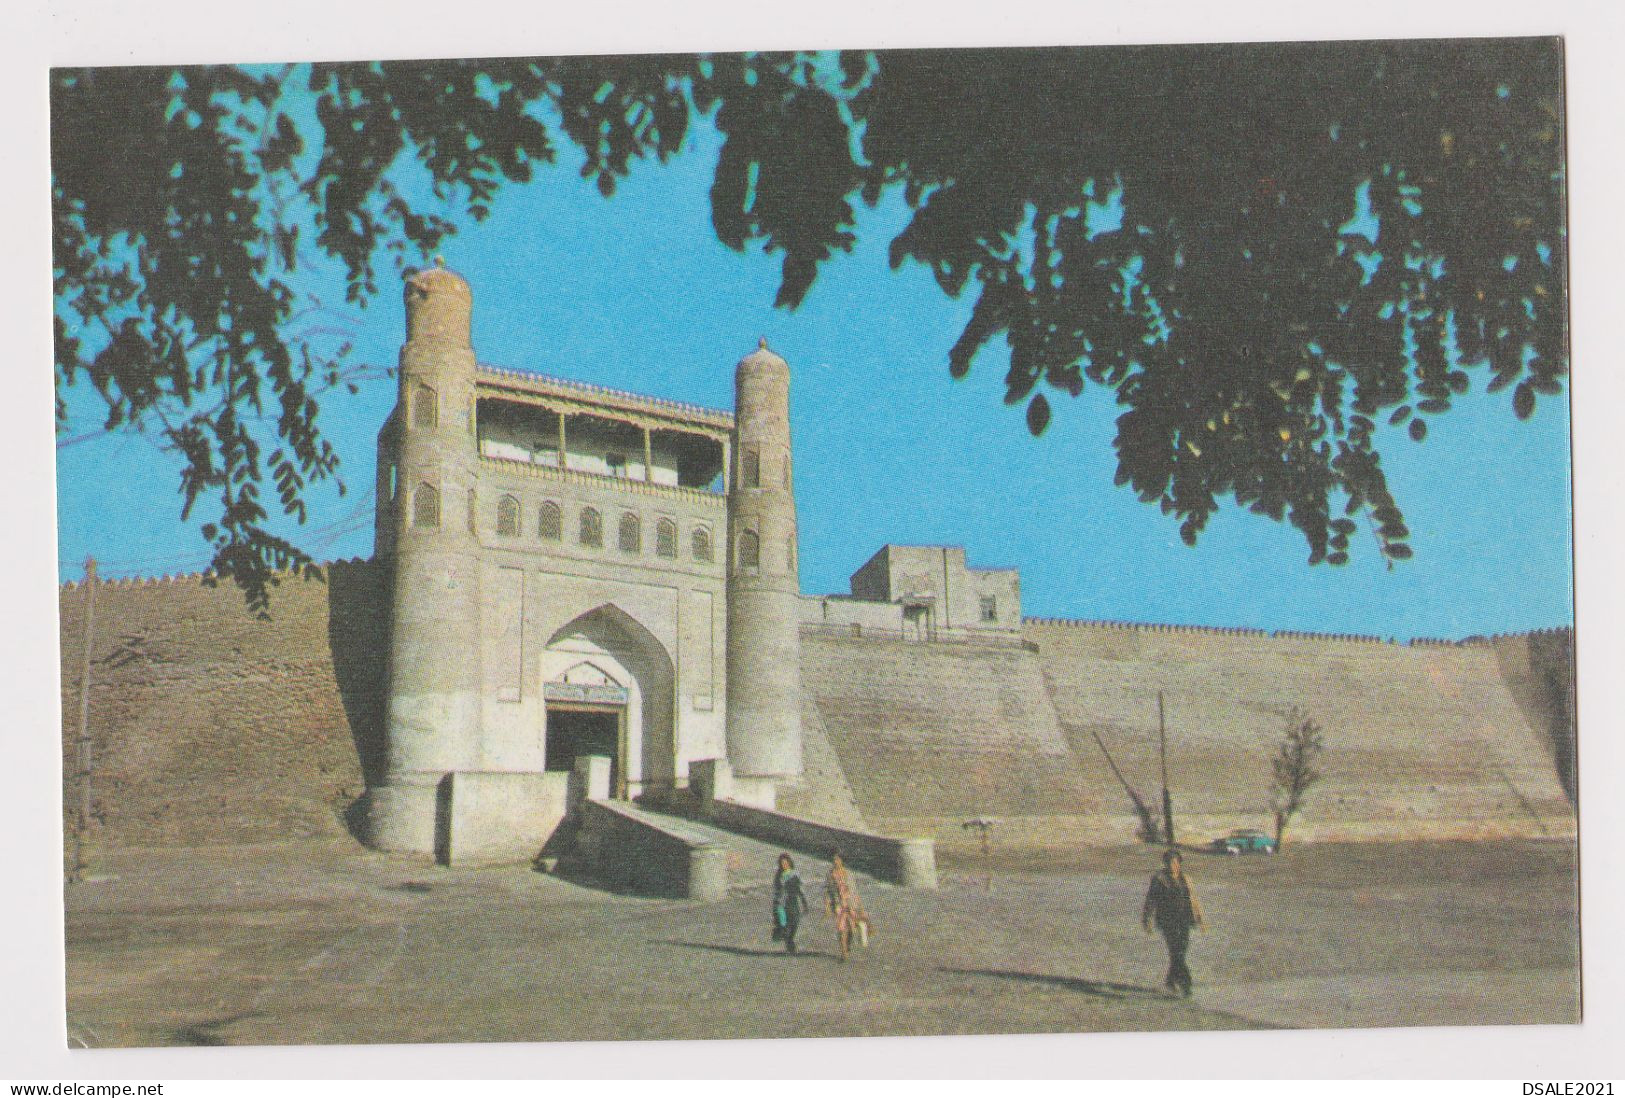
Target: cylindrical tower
{"points": [[433, 717], [764, 639]]}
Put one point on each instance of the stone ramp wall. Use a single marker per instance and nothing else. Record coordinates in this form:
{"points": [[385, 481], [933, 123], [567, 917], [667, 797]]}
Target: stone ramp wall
{"points": [[931, 735], [210, 726], [823, 794], [1422, 740]]}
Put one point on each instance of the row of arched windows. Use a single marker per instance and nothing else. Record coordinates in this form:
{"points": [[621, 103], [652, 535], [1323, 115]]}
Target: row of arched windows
{"points": [[590, 529]]}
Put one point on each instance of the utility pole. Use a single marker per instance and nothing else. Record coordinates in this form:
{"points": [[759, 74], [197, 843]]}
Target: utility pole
{"points": [[1167, 798], [84, 722]]}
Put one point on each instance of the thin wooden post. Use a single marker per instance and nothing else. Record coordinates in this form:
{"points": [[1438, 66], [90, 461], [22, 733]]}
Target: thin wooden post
{"points": [[984, 825], [85, 759]]}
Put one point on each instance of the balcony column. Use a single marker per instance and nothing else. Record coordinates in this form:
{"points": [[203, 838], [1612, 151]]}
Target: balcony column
{"points": [[648, 457], [562, 418]]}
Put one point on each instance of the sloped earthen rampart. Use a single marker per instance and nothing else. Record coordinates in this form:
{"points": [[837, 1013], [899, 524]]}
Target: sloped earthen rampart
{"points": [[212, 726], [931, 735], [1423, 740]]}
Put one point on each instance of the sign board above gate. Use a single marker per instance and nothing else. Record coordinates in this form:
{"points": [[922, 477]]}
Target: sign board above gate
{"points": [[596, 693]]}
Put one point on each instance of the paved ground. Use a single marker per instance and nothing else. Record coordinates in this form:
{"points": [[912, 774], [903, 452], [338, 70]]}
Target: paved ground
{"points": [[325, 942]]}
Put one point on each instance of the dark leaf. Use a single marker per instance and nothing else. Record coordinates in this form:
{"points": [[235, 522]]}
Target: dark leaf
{"points": [[1037, 414]]}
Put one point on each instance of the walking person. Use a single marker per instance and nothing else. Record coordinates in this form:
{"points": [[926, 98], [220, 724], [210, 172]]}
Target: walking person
{"points": [[841, 900], [1172, 906], [789, 903]]}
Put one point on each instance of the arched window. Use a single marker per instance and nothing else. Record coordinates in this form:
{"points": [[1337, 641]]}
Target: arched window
{"points": [[666, 539], [630, 534], [751, 473], [750, 550], [425, 408], [507, 517], [426, 506], [550, 521], [592, 528], [701, 543]]}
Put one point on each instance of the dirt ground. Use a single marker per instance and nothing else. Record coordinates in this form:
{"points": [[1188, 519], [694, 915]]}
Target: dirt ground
{"points": [[326, 942]]}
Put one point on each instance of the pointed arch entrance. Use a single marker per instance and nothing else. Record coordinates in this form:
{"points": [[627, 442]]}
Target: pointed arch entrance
{"points": [[608, 688]]}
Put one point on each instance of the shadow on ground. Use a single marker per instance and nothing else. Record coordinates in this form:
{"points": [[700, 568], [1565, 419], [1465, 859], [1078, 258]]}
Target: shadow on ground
{"points": [[740, 951], [1101, 989], [581, 873], [206, 1033]]}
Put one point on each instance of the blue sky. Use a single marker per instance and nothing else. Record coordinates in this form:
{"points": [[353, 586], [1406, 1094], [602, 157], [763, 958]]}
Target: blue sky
{"points": [[636, 293]]}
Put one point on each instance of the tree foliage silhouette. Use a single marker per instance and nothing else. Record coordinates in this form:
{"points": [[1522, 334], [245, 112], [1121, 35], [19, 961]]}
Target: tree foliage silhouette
{"points": [[1262, 329]]}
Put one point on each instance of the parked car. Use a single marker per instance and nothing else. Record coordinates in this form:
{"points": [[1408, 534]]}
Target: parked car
{"points": [[1245, 841]]}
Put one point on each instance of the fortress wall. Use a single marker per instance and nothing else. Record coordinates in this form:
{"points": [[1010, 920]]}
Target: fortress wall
{"points": [[931, 735], [210, 726], [1422, 741], [1538, 669], [823, 794]]}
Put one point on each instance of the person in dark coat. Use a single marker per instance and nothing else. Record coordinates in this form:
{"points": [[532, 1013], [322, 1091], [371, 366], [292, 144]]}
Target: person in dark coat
{"points": [[1171, 906], [789, 903]]}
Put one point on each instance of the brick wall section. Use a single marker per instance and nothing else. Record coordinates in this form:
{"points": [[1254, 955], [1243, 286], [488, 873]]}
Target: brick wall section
{"points": [[1421, 740], [944, 733], [1538, 669], [211, 726], [823, 793]]}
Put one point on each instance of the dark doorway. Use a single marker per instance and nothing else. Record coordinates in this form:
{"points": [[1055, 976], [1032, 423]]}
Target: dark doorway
{"points": [[573, 733]]}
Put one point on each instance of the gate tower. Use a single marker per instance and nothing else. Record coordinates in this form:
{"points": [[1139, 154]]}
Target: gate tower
{"points": [[764, 638], [433, 723]]}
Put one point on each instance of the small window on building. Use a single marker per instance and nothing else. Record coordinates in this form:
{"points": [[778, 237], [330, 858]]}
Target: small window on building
{"points": [[751, 473], [507, 517], [666, 539], [631, 534], [616, 463], [394, 482], [550, 522], [750, 550], [425, 408], [592, 528], [990, 608], [426, 506], [701, 543]]}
